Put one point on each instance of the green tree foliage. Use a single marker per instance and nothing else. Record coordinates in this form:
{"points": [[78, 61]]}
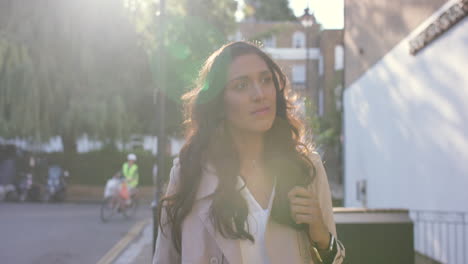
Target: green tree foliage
{"points": [[69, 67], [323, 133], [194, 29], [72, 67], [269, 10]]}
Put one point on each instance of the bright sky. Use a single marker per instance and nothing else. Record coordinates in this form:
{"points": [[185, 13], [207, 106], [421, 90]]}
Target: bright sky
{"points": [[329, 13]]}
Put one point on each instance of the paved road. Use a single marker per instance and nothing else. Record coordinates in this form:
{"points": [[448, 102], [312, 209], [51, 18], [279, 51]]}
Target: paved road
{"points": [[58, 233]]}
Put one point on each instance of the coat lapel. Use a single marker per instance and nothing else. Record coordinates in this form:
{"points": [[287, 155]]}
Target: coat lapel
{"points": [[229, 247], [208, 184]]}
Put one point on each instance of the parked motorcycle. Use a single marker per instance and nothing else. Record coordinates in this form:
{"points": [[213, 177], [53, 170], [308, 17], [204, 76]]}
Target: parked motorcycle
{"points": [[56, 186], [7, 180], [29, 190], [8, 172]]}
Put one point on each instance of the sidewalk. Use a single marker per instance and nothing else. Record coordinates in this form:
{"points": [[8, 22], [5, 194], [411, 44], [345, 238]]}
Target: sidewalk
{"points": [[140, 250]]}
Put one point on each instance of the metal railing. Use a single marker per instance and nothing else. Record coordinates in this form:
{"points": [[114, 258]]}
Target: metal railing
{"points": [[441, 236]]}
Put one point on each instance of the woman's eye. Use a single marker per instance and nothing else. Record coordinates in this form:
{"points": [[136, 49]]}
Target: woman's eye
{"points": [[240, 85], [266, 79]]}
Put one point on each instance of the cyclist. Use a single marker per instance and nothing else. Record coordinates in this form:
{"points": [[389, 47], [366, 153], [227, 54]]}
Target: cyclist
{"points": [[130, 173]]}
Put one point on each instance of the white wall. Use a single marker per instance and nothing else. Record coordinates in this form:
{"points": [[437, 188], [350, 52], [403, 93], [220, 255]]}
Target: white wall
{"points": [[406, 127]]}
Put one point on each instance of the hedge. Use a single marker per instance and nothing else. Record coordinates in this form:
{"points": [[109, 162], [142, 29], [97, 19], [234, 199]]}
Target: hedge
{"points": [[96, 167]]}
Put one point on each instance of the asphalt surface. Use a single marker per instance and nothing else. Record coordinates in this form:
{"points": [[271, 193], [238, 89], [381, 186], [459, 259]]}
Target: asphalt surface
{"points": [[34, 233]]}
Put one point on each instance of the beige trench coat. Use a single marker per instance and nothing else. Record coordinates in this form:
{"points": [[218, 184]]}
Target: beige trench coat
{"points": [[202, 245]]}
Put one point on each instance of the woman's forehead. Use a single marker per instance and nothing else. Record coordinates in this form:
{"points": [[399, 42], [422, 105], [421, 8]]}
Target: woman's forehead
{"points": [[246, 65]]}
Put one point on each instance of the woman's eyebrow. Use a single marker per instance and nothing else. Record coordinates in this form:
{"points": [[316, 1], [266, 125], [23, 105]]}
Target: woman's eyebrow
{"points": [[243, 77]]}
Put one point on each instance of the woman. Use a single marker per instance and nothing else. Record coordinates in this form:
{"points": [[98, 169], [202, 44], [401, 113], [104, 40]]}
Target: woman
{"points": [[245, 189]]}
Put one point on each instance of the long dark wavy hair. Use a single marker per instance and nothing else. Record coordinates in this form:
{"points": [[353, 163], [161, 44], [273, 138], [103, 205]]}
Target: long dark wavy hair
{"points": [[285, 155]]}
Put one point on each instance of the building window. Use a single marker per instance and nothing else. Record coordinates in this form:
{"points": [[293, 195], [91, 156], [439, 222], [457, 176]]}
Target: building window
{"points": [[338, 89], [298, 40], [298, 74], [269, 42], [339, 54], [320, 65], [321, 103]]}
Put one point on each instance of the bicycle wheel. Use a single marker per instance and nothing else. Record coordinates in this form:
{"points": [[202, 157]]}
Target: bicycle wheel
{"points": [[108, 207], [131, 209]]}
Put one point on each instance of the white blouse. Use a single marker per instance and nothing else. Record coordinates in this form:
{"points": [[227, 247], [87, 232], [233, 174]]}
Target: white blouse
{"points": [[258, 218]]}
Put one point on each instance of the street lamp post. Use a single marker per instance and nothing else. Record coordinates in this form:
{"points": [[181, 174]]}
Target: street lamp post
{"points": [[307, 22], [160, 112]]}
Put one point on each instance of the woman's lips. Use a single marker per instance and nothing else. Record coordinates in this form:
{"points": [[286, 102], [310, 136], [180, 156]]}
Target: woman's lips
{"points": [[261, 111]]}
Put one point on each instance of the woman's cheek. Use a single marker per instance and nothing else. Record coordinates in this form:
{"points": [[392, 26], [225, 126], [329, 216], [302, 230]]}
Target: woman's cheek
{"points": [[235, 108]]}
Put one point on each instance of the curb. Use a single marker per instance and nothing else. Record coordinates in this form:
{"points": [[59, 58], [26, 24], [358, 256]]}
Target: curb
{"points": [[118, 248], [78, 201]]}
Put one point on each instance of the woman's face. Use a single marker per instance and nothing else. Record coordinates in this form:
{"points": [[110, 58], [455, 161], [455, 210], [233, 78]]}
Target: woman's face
{"points": [[250, 95]]}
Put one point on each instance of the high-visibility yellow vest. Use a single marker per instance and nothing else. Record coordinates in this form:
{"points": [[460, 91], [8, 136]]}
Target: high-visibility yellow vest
{"points": [[131, 174]]}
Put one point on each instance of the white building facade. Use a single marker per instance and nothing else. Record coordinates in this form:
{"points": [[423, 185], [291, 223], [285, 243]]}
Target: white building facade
{"points": [[406, 137]]}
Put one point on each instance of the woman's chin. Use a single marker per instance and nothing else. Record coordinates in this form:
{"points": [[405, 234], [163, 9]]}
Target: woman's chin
{"points": [[261, 127], [257, 127]]}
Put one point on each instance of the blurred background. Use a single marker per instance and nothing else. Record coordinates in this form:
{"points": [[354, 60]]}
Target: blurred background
{"points": [[381, 86]]}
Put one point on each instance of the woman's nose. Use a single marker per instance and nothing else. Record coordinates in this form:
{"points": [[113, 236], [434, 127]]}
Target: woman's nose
{"points": [[258, 92]]}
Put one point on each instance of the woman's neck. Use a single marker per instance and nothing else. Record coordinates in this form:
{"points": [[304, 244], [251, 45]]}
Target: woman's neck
{"points": [[250, 148]]}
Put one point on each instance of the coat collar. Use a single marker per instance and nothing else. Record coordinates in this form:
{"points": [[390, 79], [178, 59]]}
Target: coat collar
{"points": [[208, 183]]}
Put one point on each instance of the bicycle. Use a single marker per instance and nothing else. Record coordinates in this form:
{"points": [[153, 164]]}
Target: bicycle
{"points": [[115, 201]]}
